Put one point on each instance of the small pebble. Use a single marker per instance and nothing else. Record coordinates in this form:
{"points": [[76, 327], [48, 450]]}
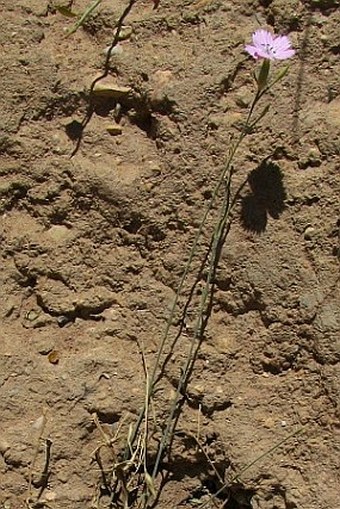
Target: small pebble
{"points": [[63, 320], [117, 50], [114, 129], [125, 33], [58, 233], [309, 233], [50, 496], [111, 90], [53, 357]]}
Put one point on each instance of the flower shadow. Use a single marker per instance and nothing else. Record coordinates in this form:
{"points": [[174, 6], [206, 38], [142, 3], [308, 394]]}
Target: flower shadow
{"points": [[266, 197]]}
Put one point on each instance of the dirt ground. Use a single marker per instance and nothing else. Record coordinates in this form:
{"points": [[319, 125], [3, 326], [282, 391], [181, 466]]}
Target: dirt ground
{"points": [[96, 228]]}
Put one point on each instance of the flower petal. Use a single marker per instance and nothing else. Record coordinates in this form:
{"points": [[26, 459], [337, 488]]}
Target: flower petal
{"points": [[252, 50], [282, 43], [282, 40], [262, 38], [282, 55], [266, 45]]}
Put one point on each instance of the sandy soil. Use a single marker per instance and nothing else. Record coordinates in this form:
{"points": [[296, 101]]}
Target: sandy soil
{"points": [[96, 232]]}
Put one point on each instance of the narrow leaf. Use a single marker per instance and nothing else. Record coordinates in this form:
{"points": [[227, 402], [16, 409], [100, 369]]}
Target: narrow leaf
{"points": [[260, 117], [83, 17], [281, 74], [150, 484], [262, 77]]}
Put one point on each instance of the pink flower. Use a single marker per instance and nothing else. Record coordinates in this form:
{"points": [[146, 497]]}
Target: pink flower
{"points": [[271, 47]]}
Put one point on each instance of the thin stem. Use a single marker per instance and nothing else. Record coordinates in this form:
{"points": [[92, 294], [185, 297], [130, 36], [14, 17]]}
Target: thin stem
{"points": [[198, 330], [252, 463], [151, 385]]}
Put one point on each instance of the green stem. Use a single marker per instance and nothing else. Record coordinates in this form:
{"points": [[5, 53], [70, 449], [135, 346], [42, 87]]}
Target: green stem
{"points": [[217, 236], [198, 329]]}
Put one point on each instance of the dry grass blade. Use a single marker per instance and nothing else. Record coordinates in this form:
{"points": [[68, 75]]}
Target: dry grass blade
{"points": [[252, 463], [88, 11], [40, 425], [118, 478]]}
